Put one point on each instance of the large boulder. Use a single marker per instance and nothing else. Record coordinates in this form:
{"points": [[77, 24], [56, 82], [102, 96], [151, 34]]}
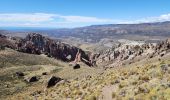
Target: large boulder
{"points": [[53, 81]]}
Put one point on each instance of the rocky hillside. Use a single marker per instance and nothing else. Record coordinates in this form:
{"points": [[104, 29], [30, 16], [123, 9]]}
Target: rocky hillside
{"points": [[38, 44], [131, 52], [144, 79], [128, 71]]}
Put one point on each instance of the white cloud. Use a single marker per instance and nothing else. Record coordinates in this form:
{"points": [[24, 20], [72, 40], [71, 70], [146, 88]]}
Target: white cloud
{"points": [[41, 17], [46, 19], [56, 20], [19, 17], [84, 19], [161, 18]]}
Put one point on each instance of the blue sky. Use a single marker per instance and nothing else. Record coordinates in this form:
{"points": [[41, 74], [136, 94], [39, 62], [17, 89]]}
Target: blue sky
{"points": [[77, 13]]}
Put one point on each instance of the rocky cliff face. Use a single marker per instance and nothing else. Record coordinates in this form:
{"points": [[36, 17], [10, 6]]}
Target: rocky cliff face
{"points": [[38, 44], [130, 53], [117, 56]]}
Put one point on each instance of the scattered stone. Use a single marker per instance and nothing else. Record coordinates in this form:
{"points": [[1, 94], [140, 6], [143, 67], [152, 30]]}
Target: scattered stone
{"points": [[52, 81], [151, 56], [76, 66], [162, 54], [44, 73], [19, 74], [31, 79]]}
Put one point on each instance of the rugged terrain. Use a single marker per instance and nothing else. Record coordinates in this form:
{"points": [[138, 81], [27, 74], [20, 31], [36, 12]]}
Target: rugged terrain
{"points": [[95, 33], [38, 67], [139, 80]]}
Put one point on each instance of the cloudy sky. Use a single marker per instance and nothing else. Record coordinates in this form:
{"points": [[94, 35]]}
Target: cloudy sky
{"points": [[77, 13]]}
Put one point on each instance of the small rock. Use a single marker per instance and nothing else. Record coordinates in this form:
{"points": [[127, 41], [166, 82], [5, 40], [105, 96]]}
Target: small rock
{"points": [[76, 66], [44, 73], [52, 81], [31, 79], [19, 74], [150, 56], [162, 54]]}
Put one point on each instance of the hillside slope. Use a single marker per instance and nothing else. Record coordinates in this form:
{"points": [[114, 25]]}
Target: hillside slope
{"points": [[139, 81], [143, 79]]}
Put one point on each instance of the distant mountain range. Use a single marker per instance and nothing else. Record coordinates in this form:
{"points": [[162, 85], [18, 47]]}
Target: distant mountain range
{"points": [[97, 32]]}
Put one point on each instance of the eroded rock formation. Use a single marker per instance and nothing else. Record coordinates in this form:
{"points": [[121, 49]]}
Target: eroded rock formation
{"points": [[38, 44], [117, 56]]}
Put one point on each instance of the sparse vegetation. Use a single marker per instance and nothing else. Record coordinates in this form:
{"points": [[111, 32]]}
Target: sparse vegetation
{"points": [[143, 79], [145, 84], [9, 58]]}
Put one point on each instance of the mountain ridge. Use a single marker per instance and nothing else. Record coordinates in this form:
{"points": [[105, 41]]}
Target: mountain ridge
{"points": [[95, 33]]}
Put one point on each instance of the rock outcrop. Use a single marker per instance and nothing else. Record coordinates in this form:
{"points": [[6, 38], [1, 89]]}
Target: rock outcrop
{"points": [[38, 44], [117, 56]]}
